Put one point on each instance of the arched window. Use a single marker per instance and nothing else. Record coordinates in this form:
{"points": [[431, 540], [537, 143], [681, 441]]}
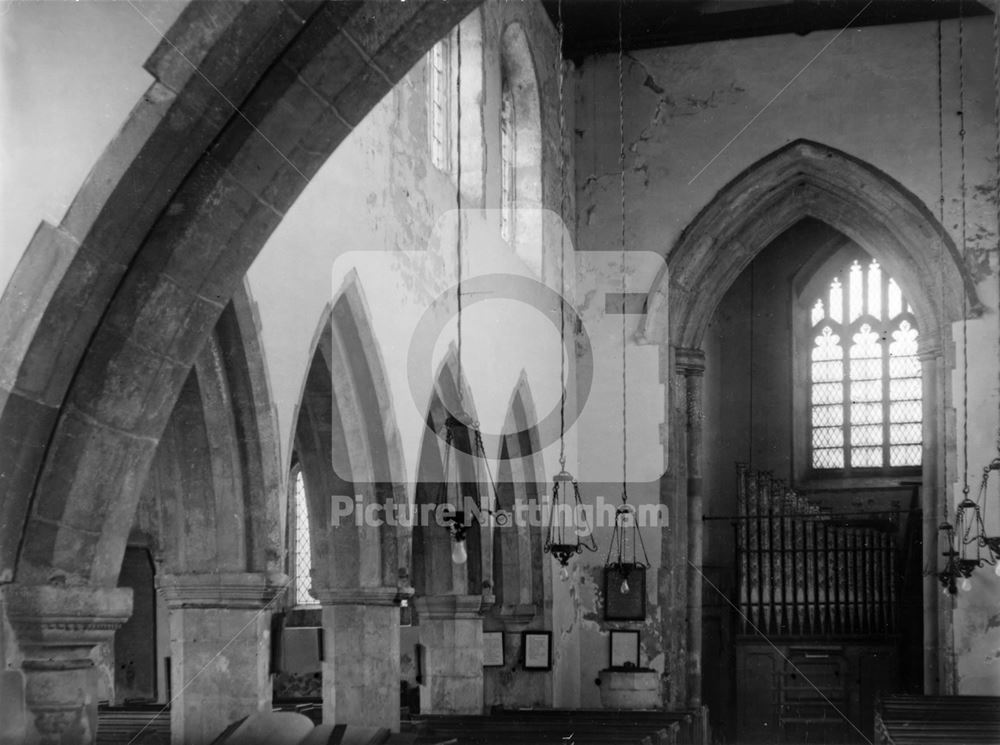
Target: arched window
{"points": [[520, 148], [300, 548], [865, 388], [440, 93], [508, 164]]}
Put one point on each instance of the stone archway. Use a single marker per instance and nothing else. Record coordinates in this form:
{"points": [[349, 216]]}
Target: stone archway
{"points": [[101, 387], [349, 449], [451, 593], [802, 179], [106, 313], [209, 506]]}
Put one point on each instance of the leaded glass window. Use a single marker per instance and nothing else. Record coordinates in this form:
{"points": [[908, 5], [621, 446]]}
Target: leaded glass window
{"points": [[301, 548], [865, 398]]}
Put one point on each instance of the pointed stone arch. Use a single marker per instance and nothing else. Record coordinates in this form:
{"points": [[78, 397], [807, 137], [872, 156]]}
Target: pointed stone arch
{"points": [[434, 574], [218, 459], [803, 179], [105, 313], [808, 179], [520, 91], [518, 560]]}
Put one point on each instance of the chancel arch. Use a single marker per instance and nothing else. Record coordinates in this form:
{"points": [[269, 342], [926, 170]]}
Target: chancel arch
{"points": [[803, 181]]}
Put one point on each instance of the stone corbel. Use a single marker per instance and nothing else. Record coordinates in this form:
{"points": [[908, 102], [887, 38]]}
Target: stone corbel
{"points": [[247, 590], [362, 595], [449, 607]]}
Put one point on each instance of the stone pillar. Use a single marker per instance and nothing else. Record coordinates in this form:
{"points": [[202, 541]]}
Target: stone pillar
{"points": [[691, 364], [220, 649], [361, 656], [57, 627], [451, 631]]}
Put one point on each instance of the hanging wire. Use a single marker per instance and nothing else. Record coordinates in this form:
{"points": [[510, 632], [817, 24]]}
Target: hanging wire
{"points": [[562, 243], [945, 503], [621, 167], [458, 196], [996, 147], [753, 291], [965, 250], [625, 513]]}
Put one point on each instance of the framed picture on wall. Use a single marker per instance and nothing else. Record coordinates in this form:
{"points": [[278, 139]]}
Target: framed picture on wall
{"points": [[625, 592], [420, 653], [493, 649], [624, 649], [537, 647]]}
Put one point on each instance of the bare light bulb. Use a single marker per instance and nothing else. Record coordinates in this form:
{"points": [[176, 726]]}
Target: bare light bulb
{"points": [[996, 569], [564, 574], [458, 553], [965, 585], [625, 588]]}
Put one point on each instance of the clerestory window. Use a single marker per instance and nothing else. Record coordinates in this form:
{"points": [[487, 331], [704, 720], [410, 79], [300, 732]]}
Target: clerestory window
{"points": [[508, 163], [440, 94]]}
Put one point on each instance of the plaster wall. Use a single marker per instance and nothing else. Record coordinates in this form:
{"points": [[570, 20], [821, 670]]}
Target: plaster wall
{"points": [[697, 116]]}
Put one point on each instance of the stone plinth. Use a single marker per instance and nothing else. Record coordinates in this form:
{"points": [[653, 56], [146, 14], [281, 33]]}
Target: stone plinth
{"points": [[57, 626], [451, 631], [628, 689], [220, 649], [361, 656]]}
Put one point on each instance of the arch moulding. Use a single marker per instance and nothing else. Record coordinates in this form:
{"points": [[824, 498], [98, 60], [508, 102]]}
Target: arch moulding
{"points": [[807, 179], [802, 179]]}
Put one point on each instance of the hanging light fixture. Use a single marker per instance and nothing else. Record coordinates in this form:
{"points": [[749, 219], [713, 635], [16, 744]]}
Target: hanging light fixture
{"points": [[967, 538], [450, 491], [569, 532], [624, 571]]}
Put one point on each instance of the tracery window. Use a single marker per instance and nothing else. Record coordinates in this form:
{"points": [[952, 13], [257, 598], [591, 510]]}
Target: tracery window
{"points": [[300, 548], [865, 397]]}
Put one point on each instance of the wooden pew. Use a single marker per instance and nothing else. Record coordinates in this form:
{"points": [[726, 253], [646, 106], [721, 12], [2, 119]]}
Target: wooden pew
{"points": [[143, 725], [915, 720], [557, 727]]}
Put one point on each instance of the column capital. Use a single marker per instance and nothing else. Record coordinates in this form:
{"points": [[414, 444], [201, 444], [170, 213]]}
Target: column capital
{"points": [[689, 361], [449, 606], [248, 590], [929, 354], [362, 595], [58, 625]]}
